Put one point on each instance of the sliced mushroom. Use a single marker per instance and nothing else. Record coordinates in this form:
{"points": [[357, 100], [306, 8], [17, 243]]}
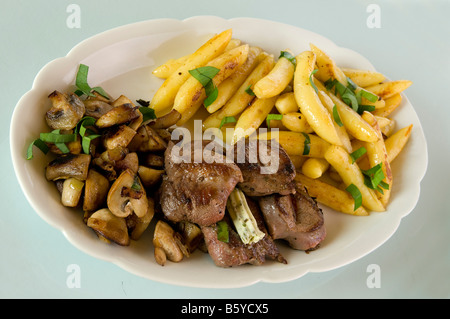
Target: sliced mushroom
{"points": [[127, 195], [192, 235], [166, 121], [122, 100], [109, 226], [147, 140], [66, 111], [95, 191], [71, 192], [118, 115], [107, 160], [70, 165], [119, 136], [166, 244], [96, 108], [153, 160], [130, 161], [150, 176], [137, 225]]}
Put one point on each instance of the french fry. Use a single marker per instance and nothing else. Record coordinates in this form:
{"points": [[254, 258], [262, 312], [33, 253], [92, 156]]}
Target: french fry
{"points": [[294, 143], [170, 66], [276, 81], [350, 173], [298, 161], [286, 103], [253, 117], [376, 154], [378, 104], [309, 103], [191, 94], [327, 67], [315, 167], [331, 196], [390, 105], [352, 121], [386, 125], [386, 90], [363, 78], [230, 85], [296, 122], [240, 99], [340, 130], [165, 95], [397, 141]]}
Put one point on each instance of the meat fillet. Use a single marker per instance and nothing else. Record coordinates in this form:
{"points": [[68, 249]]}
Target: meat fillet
{"points": [[235, 252], [266, 168], [196, 191], [295, 218]]}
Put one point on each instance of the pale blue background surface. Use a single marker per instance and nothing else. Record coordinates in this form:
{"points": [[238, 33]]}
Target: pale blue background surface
{"points": [[412, 43]]}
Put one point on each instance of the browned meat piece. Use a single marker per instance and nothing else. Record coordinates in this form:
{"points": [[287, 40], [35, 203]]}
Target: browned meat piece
{"points": [[235, 252], [266, 168], [197, 192], [295, 218]]}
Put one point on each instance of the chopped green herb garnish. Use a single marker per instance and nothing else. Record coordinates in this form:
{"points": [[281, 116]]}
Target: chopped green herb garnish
{"points": [[368, 108], [147, 113], [56, 137], [336, 116], [307, 144], [249, 91], [373, 176], [40, 145], [273, 117], [351, 84], [311, 81], [222, 231], [82, 129], [356, 194], [368, 95], [289, 56], [136, 185], [205, 75], [358, 153], [350, 97], [82, 83], [227, 119]]}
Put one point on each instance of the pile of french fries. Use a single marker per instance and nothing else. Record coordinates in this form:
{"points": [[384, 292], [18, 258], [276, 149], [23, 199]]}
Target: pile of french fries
{"points": [[253, 84]]}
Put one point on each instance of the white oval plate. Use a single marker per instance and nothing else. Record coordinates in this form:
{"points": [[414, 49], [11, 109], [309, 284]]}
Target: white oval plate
{"points": [[121, 61]]}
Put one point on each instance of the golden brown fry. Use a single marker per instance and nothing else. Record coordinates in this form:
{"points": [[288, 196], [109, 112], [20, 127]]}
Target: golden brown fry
{"points": [[241, 99], [350, 173], [165, 96], [230, 85], [363, 78], [308, 101], [331, 196], [388, 89], [191, 94], [376, 154], [397, 141]]}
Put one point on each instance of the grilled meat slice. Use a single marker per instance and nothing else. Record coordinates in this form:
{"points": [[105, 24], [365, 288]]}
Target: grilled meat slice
{"points": [[295, 218], [235, 252], [266, 168], [197, 191]]}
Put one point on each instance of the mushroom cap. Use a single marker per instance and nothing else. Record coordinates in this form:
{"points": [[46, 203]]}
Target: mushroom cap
{"points": [[109, 226], [127, 195], [66, 111]]}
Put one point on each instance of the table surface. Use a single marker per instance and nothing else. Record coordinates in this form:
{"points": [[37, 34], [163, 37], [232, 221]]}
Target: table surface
{"points": [[411, 42]]}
